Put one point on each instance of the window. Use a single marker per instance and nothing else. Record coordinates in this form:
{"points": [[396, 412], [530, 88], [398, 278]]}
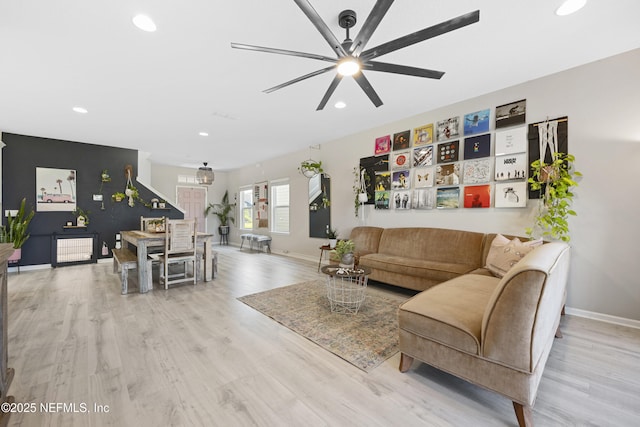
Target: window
{"points": [[280, 206], [246, 208]]}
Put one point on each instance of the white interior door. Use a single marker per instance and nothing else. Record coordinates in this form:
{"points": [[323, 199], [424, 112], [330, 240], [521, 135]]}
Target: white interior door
{"points": [[194, 201]]}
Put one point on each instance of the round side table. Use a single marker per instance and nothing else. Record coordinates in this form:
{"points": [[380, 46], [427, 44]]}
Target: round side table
{"points": [[346, 287]]}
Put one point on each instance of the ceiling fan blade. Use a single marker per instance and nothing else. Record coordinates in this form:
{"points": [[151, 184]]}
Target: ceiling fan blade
{"points": [[298, 79], [403, 69], [418, 36], [322, 27], [377, 13], [367, 88], [282, 52], [332, 87]]}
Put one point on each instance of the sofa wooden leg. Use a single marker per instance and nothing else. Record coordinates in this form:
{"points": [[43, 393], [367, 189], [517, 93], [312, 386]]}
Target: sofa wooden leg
{"points": [[524, 414], [405, 362], [558, 332]]}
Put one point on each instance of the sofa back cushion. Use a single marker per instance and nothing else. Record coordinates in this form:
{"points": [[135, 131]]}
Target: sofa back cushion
{"points": [[434, 244], [366, 239]]}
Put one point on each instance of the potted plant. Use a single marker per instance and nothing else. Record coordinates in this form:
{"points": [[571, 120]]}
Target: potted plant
{"points": [[360, 184], [104, 176], [554, 181], [310, 168], [132, 193], [16, 230], [118, 197], [81, 215], [344, 253], [224, 212], [332, 234]]}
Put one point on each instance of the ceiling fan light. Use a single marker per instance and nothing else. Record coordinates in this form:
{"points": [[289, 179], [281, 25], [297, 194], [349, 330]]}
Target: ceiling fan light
{"points": [[570, 6], [205, 175], [348, 67]]}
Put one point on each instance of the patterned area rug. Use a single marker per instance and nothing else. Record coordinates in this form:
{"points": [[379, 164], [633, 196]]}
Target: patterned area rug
{"points": [[365, 339]]}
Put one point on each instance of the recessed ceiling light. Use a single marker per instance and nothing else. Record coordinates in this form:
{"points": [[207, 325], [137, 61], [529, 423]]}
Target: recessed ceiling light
{"points": [[570, 6], [340, 104], [144, 23], [80, 110], [203, 134]]}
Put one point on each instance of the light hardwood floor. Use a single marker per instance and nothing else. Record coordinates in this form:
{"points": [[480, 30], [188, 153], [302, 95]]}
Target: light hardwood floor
{"points": [[197, 356]]}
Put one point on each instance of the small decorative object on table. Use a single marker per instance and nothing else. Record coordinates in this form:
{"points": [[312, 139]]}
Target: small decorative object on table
{"points": [[346, 288]]}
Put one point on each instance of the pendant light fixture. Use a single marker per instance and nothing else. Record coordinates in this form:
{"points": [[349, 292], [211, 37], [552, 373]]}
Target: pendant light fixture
{"points": [[205, 175]]}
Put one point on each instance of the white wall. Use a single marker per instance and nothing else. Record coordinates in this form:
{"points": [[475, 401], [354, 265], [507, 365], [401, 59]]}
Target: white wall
{"points": [[602, 101]]}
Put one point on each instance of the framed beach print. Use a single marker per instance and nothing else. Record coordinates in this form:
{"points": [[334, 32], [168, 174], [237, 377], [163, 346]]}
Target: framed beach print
{"points": [[476, 147], [448, 129], [423, 156], [511, 194], [512, 166], [423, 135], [477, 196], [511, 114], [511, 140], [55, 190], [423, 199], [476, 122], [448, 198], [382, 145]]}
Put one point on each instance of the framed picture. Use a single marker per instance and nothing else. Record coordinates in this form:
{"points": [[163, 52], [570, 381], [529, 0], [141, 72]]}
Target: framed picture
{"points": [[448, 198], [401, 180], [511, 140], [423, 156], [511, 114], [423, 135], [382, 199], [476, 122], [423, 177], [476, 147], [511, 194], [383, 181], [401, 160], [402, 200], [448, 129], [448, 174], [55, 190], [401, 140], [477, 171], [423, 199], [477, 196], [448, 152], [512, 166], [383, 145]]}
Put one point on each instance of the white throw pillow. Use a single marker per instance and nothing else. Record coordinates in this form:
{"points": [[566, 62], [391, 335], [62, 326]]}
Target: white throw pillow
{"points": [[504, 253]]}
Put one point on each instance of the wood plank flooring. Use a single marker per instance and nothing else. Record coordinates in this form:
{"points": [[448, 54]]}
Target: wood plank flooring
{"points": [[195, 356]]}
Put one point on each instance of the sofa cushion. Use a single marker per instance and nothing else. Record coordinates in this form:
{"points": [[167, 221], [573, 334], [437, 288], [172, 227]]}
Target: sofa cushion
{"points": [[450, 313], [438, 271], [366, 239], [504, 253]]}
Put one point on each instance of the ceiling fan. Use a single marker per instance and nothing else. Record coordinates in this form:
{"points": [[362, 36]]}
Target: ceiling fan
{"points": [[352, 58]]}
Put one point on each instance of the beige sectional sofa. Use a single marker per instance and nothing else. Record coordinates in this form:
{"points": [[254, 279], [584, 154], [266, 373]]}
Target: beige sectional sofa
{"points": [[495, 332]]}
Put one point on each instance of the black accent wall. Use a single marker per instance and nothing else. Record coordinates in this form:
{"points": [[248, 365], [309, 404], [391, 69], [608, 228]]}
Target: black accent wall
{"points": [[23, 154]]}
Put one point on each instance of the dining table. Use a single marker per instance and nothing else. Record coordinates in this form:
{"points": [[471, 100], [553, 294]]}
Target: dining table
{"points": [[144, 240]]}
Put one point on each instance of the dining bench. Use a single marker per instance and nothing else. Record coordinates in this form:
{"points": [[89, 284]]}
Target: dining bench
{"points": [[125, 260]]}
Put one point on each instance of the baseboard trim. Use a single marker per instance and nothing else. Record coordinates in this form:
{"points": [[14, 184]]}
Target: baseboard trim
{"points": [[631, 323]]}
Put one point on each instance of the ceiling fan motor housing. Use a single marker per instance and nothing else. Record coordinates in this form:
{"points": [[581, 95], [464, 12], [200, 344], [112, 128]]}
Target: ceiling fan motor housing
{"points": [[347, 18]]}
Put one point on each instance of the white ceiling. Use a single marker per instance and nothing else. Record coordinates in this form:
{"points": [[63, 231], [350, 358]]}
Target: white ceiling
{"points": [[156, 91]]}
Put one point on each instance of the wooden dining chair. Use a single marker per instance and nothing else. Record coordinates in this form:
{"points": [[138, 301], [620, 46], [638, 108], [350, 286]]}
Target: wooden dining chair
{"points": [[179, 248]]}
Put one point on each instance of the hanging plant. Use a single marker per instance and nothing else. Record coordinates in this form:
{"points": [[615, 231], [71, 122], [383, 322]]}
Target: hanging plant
{"points": [[361, 180], [554, 180], [310, 168]]}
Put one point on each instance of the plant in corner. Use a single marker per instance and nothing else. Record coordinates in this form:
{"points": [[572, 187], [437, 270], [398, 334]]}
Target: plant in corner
{"points": [[224, 212], [554, 181], [16, 229]]}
